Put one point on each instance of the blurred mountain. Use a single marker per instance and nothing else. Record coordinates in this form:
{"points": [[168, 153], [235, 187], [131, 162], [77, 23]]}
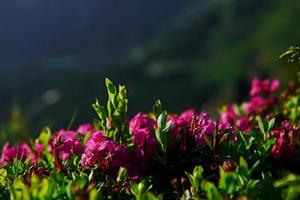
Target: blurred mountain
{"points": [[72, 33], [204, 56]]}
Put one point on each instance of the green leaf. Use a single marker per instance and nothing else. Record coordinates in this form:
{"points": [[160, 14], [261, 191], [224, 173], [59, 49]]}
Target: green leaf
{"points": [[151, 196], [111, 88], [134, 188], [228, 182], [271, 124], [243, 163], [269, 144], [198, 171], [212, 192], [44, 136], [255, 134], [157, 108], [122, 175], [3, 175], [292, 54], [20, 190], [288, 180], [263, 126], [161, 132], [102, 114], [86, 137], [208, 141], [144, 186], [162, 119], [254, 166], [290, 185], [95, 195]]}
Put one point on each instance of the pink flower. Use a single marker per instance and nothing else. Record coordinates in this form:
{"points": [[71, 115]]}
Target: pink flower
{"points": [[263, 87], [64, 144], [229, 116], [181, 123], [142, 130], [261, 96], [258, 104], [203, 126], [103, 152], [185, 118], [141, 121], [285, 145], [179, 131], [243, 124], [20, 152], [226, 129], [84, 128], [39, 149]]}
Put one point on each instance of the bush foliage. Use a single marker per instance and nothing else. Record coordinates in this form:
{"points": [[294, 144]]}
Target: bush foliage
{"points": [[250, 152]]}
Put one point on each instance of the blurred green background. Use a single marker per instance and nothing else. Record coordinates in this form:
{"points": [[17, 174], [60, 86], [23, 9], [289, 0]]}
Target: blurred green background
{"points": [[55, 55]]}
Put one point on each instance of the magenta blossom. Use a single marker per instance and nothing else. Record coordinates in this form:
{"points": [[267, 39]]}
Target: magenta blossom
{"points": [[142, 129], [141, 121], [243, 124], [103, 152], [261, 96], [263, 87], [181, 122], [184, 119], [85, 128], [179, 131], [224, 129], [229, 116], [39, 149], [285, 145], [258, 104], [21, 152], [63, 144], [203, 126]]}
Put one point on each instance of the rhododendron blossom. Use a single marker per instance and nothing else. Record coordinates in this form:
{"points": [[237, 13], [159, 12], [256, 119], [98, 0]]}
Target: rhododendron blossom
{"points": [[243, 124], [203, 126], [142, 130], [103, 152], [85, 128], [263, 87], [261, 96], [64, 144], [181, 122], [20, 152], [286, 137], [231, 118]]}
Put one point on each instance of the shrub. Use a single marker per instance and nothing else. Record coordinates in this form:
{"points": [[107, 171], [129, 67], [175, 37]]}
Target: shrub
{"points": [[250, 152]]}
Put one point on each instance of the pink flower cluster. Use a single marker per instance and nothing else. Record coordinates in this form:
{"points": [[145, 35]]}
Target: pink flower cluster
{"points": [[64, 143], [231, 118], [198, 126], [261, 96], [285, 145], [103, 152], [261, 100], [181, 124], [21, 152], [203, 126], [142, 130]]}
